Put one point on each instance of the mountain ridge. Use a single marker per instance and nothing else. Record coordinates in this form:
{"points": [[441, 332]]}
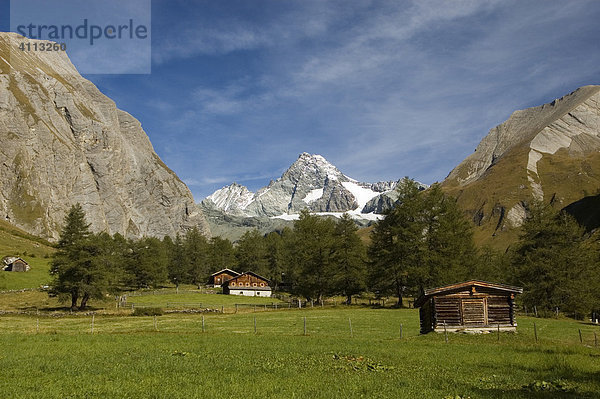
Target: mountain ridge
{"points": [[312, 183], [550, 153], [65, 142]]}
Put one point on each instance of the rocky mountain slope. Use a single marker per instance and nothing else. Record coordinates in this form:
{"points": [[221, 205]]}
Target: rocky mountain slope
{"points": [[550, 153], [310, 183], [62, 141]]}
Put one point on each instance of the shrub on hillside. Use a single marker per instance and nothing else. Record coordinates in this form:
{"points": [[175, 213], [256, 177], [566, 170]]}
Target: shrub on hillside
{"points": [[148, 312]]}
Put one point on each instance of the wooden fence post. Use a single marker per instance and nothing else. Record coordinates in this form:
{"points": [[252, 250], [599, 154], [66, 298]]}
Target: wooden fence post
{"points": [[236, 308], [445, 332], [254, 324], [351, 332], [580, 337], [401, 332], [203, 323], [304, 325], [535, 332]]}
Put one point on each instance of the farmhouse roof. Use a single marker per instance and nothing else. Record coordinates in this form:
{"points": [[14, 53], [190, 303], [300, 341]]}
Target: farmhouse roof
{"points": [[250, 273], [458, 286], [226, 270]]}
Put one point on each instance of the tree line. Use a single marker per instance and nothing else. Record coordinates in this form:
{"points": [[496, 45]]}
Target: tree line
{"points": [[424, 241]]}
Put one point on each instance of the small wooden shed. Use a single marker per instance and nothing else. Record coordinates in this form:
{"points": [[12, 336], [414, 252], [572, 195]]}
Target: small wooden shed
{"points": [[470, 306], [14, 264]]}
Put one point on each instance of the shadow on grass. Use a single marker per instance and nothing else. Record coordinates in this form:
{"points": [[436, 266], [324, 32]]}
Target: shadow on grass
{"points": [[526, 394]]}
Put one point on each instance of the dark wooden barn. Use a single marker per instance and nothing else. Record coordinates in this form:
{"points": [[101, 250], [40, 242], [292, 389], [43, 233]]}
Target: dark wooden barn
{"points": [[217, 279], [469, 306], [14, 264]]}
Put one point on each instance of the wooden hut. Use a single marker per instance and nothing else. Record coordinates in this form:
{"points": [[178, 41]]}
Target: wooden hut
{"points": [[247, 284], [14, 264], [217, 279], [470, 306]]}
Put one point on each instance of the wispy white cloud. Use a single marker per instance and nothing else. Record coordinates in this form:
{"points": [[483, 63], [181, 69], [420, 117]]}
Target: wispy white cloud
{"points": [[381, 88]]}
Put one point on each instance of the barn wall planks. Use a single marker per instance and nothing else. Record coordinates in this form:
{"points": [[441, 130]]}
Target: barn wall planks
{"points": [[468, 305]]}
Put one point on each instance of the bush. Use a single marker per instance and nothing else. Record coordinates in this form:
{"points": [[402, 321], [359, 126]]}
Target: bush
{"points": [[148, 312]]}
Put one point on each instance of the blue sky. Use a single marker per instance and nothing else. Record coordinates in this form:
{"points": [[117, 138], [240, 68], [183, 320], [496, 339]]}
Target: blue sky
{"points": [[382, 89]]}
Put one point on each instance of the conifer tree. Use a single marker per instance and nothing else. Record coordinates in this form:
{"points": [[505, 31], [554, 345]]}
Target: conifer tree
{"points": [[349, 255], [424, 241], [311, 251], [222, 254], [554, 264], [196, 255], [276, 258], [396, 245], [82, 264], [251, 253], [449, 254], [178, 268], [147, 261]]}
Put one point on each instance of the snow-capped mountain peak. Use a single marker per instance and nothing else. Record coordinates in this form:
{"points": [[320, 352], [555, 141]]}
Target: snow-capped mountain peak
{"points": [[313, 183], [232, 199]]}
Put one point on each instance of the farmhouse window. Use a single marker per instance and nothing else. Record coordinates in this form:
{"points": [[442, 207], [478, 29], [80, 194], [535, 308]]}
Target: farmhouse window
{"points": [[233, 284], [254, 284], [262, 284], [247, 284]]}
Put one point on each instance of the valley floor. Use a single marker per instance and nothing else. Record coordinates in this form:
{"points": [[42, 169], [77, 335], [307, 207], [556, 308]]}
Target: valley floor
{"points": [[171, 357]]}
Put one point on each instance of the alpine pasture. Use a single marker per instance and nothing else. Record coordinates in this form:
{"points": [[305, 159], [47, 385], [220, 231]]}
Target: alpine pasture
{"points": [[267, 354]]}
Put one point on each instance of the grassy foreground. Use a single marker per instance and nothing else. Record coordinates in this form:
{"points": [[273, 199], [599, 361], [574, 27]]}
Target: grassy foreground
{"points": [[132, 357]]}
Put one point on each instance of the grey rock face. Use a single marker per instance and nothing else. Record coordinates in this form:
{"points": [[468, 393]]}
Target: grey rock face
{"points": [[550, 152], [381, 203], [569, 122], [63, 142]]}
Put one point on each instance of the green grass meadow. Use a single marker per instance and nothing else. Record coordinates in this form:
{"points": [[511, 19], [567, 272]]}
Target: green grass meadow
{"points": [[132, 357], [35, 251]]}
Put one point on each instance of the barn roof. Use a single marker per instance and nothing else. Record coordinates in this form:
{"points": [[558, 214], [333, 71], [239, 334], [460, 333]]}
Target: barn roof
{"points": [[458, 286], [226, 270]]}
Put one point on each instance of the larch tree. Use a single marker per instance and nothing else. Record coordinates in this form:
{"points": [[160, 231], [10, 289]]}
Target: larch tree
{"points": [[311, 256], [83, 265], [396, 245], [349, 259], [251, 253], [554, 264], [197, 254]]}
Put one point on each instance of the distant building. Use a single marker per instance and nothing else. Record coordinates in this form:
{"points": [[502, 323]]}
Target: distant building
{"points": [[247, 284], [14, 264], [217, 279], [469, 306]]}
